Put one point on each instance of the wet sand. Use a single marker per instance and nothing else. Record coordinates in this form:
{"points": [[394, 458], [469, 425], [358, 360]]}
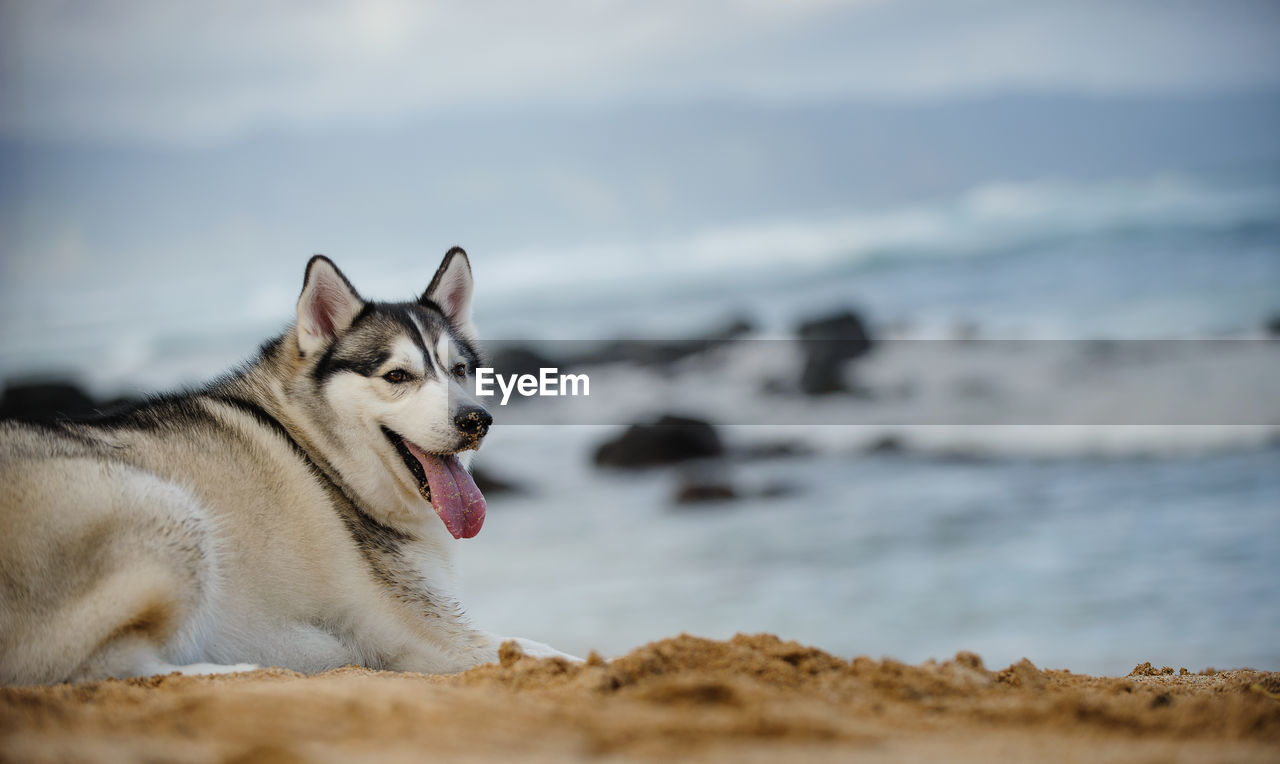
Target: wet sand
{"points": [[752, 698]]}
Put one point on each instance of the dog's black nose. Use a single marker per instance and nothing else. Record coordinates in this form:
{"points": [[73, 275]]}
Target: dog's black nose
{"points": [[473, 421]]}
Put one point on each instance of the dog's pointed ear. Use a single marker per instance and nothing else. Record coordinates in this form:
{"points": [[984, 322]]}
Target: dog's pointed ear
{"points": [[450, 290], [327, 306]]}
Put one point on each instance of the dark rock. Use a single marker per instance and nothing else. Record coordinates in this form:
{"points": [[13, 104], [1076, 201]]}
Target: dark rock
{"points": [[822, 374], [701, 493], [663, 352], [709, 483], [670, 440], [781, 449], [886, 444], [705, 482], [45, 401], [734, 328], [1273, 325], [829, 344], [845, 327], [961, 456]]}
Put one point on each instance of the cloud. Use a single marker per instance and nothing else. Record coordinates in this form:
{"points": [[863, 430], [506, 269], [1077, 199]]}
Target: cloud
{"points": [[193, 73]]}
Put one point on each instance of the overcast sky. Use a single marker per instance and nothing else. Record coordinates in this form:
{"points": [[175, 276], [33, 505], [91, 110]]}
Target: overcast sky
{"points": [[186, 73]]}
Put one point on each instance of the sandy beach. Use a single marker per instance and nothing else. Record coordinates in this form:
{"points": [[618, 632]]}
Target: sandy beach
{"points": [[752, 698]]}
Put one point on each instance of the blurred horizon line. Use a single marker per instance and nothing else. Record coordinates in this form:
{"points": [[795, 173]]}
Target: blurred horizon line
{"points": [[551, 109]]}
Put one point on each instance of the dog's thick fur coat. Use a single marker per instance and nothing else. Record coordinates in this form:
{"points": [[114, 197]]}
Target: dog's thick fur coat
{"points": [[281, 516]]}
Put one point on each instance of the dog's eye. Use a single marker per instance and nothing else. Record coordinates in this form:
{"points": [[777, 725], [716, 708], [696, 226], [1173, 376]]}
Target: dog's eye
{"points": [[459, 370], [396, 376]]}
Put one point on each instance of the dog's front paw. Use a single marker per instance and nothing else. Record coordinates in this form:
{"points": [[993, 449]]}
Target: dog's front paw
{"points": [[539, 650], [206, 669]]}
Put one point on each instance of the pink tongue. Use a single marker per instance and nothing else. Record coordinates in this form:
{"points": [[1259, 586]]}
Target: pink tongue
{"points": [[453, 493]]}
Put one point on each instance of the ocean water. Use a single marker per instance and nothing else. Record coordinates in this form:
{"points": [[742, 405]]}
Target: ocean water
{"points": [[1151, 257], [1141, 521], [1091, 539], [1091, 564], [1169, 255]]}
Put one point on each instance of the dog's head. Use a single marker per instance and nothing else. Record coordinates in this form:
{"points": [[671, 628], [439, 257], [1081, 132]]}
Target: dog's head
{"points": [[390, 389]]}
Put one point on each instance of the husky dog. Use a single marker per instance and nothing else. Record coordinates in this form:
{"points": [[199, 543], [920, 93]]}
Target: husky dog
{"points": [[297, 513]]}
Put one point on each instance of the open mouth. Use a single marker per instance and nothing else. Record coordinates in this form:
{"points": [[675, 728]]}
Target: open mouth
{"points": [[443, 481]]}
